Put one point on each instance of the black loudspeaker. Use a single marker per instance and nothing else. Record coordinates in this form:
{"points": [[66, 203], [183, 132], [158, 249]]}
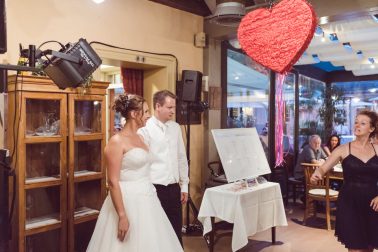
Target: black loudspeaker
{"points": [[181, 108], [3, 28], [191, 86]]}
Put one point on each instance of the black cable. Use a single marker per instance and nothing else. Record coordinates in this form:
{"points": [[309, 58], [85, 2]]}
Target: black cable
{"points": [[122, 48], [14, 118], [50, 41]]}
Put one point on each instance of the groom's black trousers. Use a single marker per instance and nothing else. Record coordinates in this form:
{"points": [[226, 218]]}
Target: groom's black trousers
{"points": [[170, 199]]}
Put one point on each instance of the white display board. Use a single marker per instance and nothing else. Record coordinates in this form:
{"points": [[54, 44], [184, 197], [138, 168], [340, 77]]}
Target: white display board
{"points": [[241, 153]]}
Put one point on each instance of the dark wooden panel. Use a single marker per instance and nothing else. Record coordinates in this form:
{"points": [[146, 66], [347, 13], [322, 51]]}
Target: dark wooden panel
{"points": [[198, 7]]}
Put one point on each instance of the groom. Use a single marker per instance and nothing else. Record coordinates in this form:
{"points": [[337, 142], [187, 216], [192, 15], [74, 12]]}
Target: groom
{"points": [[169, 166]]}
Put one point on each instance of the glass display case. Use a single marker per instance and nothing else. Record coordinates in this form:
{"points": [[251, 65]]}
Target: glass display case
{"points": [[46, 241], [42, 117], [87, 199], [83, 234], [87, 117], [87, 157], [42, 206], [42, 162], [56, 139]]}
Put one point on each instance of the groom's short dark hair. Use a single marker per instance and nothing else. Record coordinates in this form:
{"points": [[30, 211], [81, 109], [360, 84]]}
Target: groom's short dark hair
{"points": [[159, 97]]}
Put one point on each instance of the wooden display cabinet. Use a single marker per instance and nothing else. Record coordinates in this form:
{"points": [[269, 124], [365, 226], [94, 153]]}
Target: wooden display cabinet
{"points": [[56, 139]]}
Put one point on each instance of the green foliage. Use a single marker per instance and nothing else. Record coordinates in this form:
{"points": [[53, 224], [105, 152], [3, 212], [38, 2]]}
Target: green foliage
{"points": [[332, 96]]}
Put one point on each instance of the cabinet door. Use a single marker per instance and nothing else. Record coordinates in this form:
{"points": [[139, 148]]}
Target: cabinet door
{"points": [[86, 166], [41, 171]]}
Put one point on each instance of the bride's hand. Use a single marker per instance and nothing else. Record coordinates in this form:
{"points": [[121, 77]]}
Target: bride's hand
{"points": [[123, 227]]}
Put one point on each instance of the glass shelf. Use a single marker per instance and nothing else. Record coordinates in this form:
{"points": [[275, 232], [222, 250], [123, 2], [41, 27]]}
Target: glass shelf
{"points": [[42, 206], [46, 241], [87, 117], [85, 211], [42, 221], [42, 117], [87, 156], [41, 179], [42, 162]]}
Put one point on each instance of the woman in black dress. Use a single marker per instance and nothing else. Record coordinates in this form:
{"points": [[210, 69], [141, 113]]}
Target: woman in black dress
{"points": [[357, 205]]}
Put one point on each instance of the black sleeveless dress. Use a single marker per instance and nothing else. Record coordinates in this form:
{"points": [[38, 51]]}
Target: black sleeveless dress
{"points": [[356, 221]]}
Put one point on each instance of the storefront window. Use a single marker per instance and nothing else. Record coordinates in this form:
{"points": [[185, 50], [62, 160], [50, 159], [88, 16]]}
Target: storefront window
{"points": [[356, 96], [311, 98]]}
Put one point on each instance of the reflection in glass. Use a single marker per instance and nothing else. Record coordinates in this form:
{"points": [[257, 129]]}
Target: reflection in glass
{"points": [[42, 117], [45, 241], [87, 117], [87, 198], [356, 96], [87, 157], [247, 95], [42, 206], [42, 161], [311, 98]]}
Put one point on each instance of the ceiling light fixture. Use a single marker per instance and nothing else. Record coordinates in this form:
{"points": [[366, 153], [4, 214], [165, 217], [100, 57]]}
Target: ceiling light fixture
{"points": [[360, 55], [319, 31], [333, 37], [348, 47], [316, 58], [98, 1]]}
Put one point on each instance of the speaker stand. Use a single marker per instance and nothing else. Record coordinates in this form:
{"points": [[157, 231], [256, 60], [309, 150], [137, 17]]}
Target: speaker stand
{"points": [[189, 204]]}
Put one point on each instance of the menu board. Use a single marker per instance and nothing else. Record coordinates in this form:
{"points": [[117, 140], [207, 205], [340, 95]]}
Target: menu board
{"points": [[241, 153]]}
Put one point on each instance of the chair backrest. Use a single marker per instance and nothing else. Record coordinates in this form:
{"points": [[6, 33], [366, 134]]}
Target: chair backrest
{"points": [[215, 168], [309, 169], [289, 164]]}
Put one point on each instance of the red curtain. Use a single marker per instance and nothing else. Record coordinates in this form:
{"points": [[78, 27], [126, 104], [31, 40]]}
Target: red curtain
{"points": [[132, 81]]}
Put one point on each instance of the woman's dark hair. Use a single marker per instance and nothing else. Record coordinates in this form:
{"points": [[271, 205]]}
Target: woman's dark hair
{"points": [[125, 103], [373, 120], [329, 142]]}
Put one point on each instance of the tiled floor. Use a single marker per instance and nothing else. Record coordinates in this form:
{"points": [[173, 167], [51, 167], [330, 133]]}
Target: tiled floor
{"points": [[293, 238]]}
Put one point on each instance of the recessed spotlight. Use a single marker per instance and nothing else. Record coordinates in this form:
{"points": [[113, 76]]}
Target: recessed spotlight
{"points": [[319, 31], [316, 58], [333, 37]]}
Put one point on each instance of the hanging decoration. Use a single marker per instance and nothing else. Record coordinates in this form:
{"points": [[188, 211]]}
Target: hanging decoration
{"points": [[276, 37], [280, 111]]}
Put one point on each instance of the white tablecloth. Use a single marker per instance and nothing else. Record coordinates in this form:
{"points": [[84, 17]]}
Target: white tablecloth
{"points": [[251, 210]]}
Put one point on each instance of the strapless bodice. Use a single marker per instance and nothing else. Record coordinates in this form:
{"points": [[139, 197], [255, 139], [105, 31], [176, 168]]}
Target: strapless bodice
{"points": [[135, 165]]}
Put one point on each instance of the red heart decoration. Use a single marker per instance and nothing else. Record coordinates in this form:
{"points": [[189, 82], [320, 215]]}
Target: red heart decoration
{"points": [[277, 37]]}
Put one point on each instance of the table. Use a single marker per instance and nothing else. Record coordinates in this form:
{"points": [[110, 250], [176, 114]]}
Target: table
{"points": [[251, 210]]}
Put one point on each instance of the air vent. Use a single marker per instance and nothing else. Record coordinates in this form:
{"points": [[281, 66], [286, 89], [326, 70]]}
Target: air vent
{"points": [[228, 13]]}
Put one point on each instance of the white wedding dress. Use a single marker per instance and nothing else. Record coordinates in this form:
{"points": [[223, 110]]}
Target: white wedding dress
{"points": [[150, 229]]}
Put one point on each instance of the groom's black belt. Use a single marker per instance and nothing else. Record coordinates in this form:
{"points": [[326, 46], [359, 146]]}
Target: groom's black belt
{"points": [[166, 186]]}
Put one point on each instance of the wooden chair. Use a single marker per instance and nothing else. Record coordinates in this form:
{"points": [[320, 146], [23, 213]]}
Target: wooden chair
{"points": [[318, 192], [292, 184]]}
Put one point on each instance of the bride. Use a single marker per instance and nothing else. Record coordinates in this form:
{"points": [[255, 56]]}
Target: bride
{"points": [[131, 218]]}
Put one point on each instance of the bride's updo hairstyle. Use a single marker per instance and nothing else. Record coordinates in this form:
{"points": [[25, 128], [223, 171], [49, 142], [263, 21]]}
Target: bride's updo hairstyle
{"points": [[125, 103], [373, 121]]}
